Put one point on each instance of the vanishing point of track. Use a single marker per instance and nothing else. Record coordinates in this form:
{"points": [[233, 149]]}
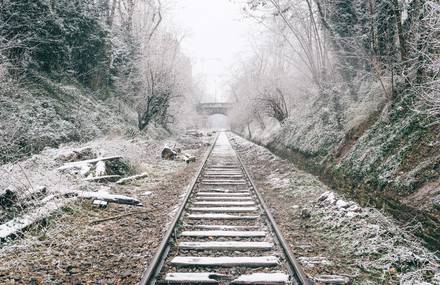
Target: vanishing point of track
{"points": [[223, 232]]}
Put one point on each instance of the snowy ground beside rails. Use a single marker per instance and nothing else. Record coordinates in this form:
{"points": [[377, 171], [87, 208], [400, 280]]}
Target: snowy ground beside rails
{"points": [[78, 245], [332, 235]]}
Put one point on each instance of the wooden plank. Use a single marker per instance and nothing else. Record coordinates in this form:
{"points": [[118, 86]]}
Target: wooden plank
{"points": [[223, 198], [224, 203], [226, 245], [131, 178], [223, 234], [220, 217], [224, 180], [224, 227], [221, 175], [225, 261], [216, 190], [263, 278], [224, 209], [103, 178], [112, 198], [18, 224], [235, 166], [192, 277], [221, 194]]}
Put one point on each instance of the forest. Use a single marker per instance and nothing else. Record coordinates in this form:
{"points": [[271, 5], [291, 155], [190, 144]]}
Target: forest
{"points": [[106, 50], [338, 99], [349, 90]]}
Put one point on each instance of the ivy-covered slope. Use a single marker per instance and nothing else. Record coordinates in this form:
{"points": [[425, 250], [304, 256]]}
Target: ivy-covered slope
{"points": [[390, 159], [44, 113]]}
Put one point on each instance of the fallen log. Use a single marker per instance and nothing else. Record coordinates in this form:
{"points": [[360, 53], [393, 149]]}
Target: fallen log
{"points": [[111, 198], [105, 178], [78, 164], [16, 225], [131, 178], [52, 203]]}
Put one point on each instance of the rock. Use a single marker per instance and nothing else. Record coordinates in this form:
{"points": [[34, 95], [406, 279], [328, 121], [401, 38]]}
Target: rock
{"points": [[305, 213], [168, 153], [354, 208], [327, 198], [189, 159], [341, 204], [8, 196], [323, 197]]}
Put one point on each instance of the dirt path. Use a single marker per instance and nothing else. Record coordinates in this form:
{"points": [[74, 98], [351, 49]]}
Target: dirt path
{"points": [[73, 249], [331, 235]]}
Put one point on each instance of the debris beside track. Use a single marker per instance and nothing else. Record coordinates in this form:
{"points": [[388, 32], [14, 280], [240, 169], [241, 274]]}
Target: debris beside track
{"points": [[73, 245]]}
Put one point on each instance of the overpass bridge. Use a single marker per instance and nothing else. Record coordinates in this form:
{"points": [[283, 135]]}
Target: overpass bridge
{"points": [[210, 108]]}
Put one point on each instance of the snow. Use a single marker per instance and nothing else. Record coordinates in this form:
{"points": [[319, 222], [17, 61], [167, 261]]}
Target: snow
{"points": [[221, 194], [224, 227], [115, 198], [225, 209], [219, 198], [221, 217], [341, 204], [359, 233], [18, 224], [258, 278], [236, 245], [196, 277], [223, 233], [100, 168], [223, 203], [226, 261]]}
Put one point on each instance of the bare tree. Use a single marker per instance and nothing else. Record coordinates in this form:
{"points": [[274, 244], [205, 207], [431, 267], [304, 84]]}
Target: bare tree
{"points": [[274, 104]]}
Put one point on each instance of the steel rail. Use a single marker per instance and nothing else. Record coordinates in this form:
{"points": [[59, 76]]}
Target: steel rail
{"points": [[150, 274], [293, 263]]}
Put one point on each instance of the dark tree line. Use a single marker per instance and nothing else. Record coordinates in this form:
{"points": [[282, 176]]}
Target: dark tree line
{"points": [[56, 37]]}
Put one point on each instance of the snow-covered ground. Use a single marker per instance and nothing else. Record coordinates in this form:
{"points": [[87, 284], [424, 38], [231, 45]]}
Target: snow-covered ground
{"points": [[80, 242], [333, 235]]}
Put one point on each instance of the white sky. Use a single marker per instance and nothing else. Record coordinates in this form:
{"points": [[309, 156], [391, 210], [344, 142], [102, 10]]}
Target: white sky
{"points": [[216, 36]]}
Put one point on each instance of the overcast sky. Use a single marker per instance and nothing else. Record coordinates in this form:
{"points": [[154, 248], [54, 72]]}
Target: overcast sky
{"points": [[216, 36]]}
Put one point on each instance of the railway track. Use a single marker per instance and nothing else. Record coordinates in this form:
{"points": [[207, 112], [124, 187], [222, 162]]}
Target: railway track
{"points": [[223, 232]]}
